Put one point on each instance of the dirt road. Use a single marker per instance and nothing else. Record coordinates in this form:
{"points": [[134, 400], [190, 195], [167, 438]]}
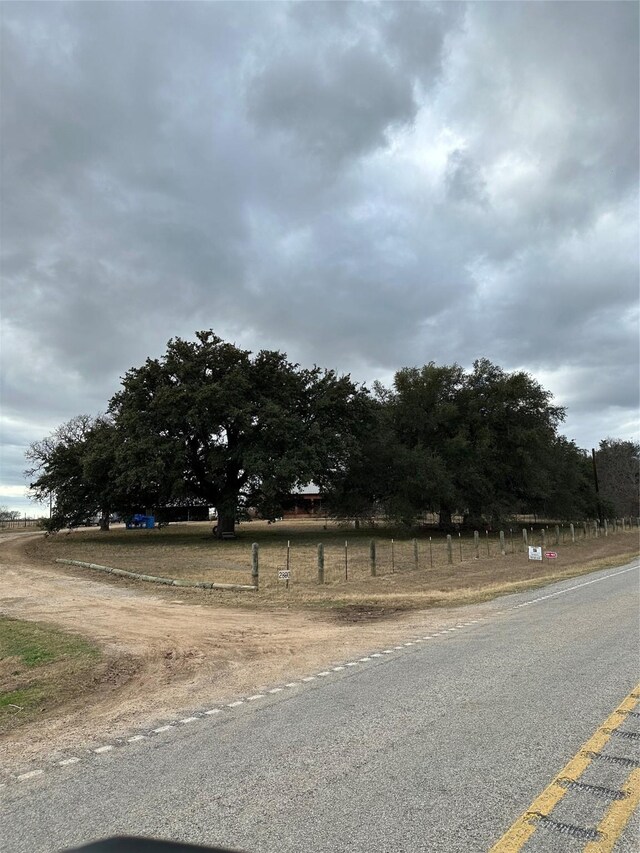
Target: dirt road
{"points": [[168, 651]]}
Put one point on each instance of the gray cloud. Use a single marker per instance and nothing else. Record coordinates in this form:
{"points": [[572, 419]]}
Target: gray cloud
{"points": [[365, 186]]}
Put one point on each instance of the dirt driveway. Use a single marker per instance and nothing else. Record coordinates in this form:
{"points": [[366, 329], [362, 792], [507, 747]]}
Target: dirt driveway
{"points": [[169, 650]]}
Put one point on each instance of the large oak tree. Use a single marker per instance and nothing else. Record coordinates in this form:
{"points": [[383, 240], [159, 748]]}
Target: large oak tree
{"points": [[213, 422]]}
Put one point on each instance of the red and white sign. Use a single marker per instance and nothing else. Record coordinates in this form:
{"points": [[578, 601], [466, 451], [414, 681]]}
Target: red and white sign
{"points": [[550, 555]]}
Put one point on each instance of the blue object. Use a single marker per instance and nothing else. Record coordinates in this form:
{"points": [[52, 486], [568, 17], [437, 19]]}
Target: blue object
{"points": [[138, 520]]}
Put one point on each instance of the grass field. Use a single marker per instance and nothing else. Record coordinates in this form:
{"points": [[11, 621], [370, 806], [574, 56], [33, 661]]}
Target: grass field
{"points": [[40, 667], [410, 572]]}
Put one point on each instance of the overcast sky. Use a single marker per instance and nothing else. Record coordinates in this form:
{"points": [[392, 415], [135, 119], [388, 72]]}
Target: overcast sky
{"points": [[365, 186]]}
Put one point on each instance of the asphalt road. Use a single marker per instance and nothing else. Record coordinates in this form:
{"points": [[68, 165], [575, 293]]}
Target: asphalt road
{"points": [[437, 746]]}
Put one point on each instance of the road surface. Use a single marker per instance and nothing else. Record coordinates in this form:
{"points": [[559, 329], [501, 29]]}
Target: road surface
{"points": [[437, 745]]}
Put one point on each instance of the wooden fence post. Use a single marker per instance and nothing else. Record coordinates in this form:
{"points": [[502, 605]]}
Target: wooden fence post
{"points": [[321, 563], [254, 564], [415, 554], [372, 557], [476, 543], [502, 548], [525, 539], [606, 527], [573, 533], [584, 528], [449, 549], [543, 540], [557, 535]]}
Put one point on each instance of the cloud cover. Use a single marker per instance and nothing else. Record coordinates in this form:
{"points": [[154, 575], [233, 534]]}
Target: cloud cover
{"points": [[363, 185]]}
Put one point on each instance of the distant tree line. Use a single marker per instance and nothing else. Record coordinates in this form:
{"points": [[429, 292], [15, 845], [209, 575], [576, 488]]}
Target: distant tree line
{"points": [[213, 424], [7, 514]]}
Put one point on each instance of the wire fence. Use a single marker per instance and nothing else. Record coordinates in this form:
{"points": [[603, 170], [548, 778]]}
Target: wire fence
{"points": [[19, 523], [292, 563]]}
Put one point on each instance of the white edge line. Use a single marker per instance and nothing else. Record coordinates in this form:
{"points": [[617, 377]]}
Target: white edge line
{"points": [[577, 586], [30, 775]]}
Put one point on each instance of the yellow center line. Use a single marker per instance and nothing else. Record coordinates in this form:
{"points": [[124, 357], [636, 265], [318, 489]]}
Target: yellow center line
{"points": [[615, 820], [520, 831]]}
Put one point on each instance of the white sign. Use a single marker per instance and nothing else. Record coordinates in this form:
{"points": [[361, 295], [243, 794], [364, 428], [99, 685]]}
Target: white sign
{"points": [[535, 553], [284, 574]]}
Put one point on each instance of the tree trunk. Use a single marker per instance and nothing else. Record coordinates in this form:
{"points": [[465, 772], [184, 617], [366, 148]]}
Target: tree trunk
{"points": [[226, 524], [444, 519], [104, 520]]}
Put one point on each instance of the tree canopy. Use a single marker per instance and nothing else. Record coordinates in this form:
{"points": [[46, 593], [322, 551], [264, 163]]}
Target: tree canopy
{"points": [[618, 467], [214, 424], [76, 466], [482, 443], [208, 420]]}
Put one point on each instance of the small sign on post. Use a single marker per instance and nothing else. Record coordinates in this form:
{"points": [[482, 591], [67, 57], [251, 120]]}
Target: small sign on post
{"points": [[550, 555], [284, 575], [535, 553]]}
